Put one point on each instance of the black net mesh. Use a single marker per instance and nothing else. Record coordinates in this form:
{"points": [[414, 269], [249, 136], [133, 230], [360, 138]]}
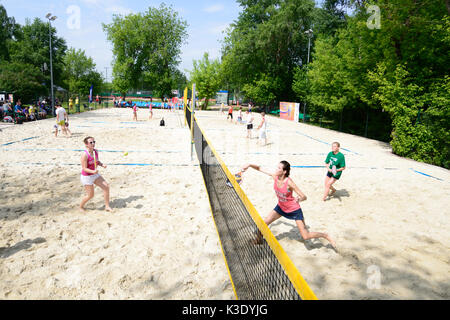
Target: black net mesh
{"points": [[188, 116], [254, 268]]}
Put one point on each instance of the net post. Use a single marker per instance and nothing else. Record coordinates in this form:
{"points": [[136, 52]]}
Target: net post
{"points": [[192, 121], [185, 104]]}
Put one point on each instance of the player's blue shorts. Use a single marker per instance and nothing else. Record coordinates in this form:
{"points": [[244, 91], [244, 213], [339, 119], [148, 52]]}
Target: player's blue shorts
{"points": [[294, 215]]}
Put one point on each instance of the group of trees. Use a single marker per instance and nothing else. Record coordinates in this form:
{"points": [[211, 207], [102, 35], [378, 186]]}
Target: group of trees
{"points": [[146, 50], [80, 73], [381, 71], [400, 69], [394, 72], [25, 61]]}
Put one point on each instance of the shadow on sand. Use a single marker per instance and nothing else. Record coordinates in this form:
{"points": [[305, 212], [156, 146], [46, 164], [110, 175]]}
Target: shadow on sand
{"points": [[6, 252]]}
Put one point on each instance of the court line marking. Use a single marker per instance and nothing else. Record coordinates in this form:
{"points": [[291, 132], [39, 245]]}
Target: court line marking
{"points": [[10, 143], [282, 154], [108, 164], [427, 175], [100, 150]]}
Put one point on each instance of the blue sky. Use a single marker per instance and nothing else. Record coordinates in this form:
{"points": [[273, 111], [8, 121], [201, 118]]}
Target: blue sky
{"points": [[207, 20]]}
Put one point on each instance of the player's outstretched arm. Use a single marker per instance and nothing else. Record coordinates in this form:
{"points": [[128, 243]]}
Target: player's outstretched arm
{"points": [[256, 167]]}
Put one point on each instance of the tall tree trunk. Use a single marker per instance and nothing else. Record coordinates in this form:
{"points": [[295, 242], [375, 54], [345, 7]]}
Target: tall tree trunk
{"points": [[398, 51]]}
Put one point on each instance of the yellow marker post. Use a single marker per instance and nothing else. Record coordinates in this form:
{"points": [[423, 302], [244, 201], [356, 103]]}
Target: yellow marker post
{"points": [[192, 120]]}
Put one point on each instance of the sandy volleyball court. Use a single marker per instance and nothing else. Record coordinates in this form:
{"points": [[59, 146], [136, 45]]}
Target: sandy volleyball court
{"points": [[389, 217], [159, 243]]}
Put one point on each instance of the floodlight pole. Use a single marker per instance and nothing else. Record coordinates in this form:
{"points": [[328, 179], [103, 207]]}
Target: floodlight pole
{"points": [[310, 34], [51, 59]]}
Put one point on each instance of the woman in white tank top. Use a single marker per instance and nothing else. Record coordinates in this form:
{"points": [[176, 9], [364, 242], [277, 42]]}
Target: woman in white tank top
{"points": [[262, 134]]}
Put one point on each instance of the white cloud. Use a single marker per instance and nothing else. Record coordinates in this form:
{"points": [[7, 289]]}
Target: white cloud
{"points": [[90, 1], [109, 6], [214, 8], [119, 10]]}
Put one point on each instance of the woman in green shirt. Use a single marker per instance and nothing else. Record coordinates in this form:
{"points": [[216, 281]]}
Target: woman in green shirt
{"points": [[335, 165]]}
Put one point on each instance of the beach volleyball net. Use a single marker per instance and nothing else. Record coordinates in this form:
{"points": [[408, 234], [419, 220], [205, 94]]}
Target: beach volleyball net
{"points": [[257, 271]]}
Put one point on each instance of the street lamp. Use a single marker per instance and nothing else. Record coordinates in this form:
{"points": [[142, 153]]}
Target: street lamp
{"points": [[51, 18], [309, 33]]}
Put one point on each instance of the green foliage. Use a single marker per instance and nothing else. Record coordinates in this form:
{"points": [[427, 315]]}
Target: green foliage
{"points": [[265, 45], [401, 68], [179, 79], [8, 29], [146, 46], [262, 90], [24, 54], [25, 61], [206, 76], [301, 84], [32, 46], [421, 125], [24, 80], [395, 76], [80, 73], [328, 79], [330, 18]]}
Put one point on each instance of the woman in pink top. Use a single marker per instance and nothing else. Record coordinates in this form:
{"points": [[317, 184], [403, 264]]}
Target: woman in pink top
{"points": [[150, 108], [135, 112], [288, 206], [90, 175]]}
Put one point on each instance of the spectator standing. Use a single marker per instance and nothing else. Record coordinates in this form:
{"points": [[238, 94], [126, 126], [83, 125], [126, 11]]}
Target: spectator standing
{"points": [[77, 104], [41, 111], [70, 104]]}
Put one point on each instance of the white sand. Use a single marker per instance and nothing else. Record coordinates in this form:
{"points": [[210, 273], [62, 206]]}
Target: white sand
{"points": [[159, 243], [390, 222]]}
